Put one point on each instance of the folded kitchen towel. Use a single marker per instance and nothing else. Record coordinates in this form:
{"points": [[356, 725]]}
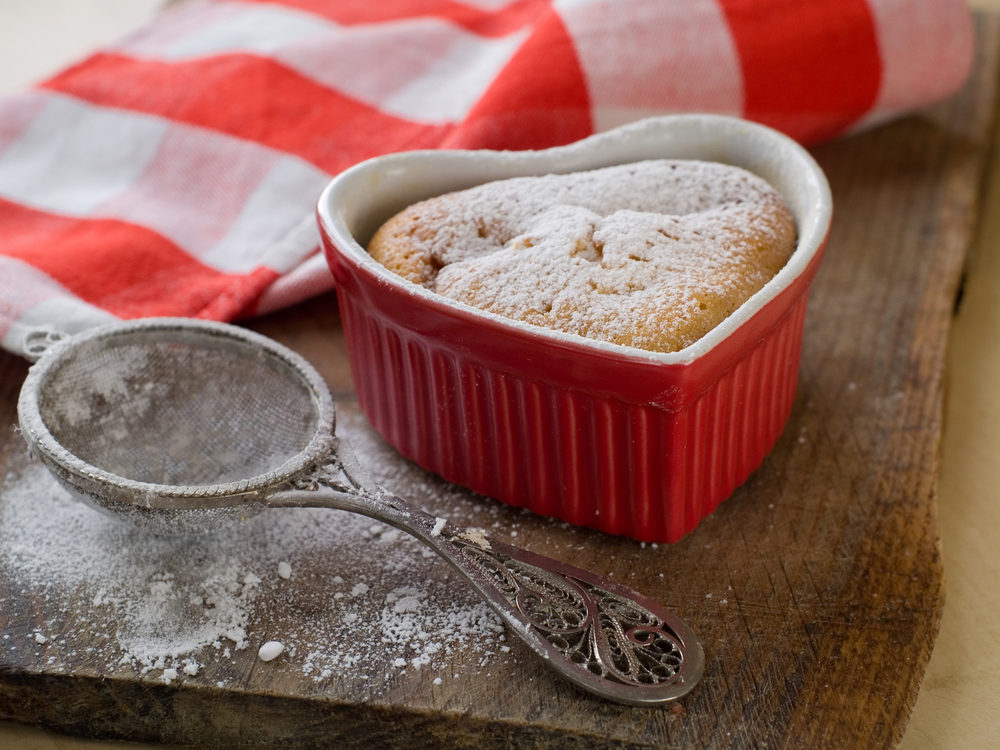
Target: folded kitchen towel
{"points": [[176, 172]]}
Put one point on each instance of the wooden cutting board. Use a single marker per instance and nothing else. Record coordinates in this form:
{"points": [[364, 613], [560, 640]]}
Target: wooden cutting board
{"points": [[816, 588]]}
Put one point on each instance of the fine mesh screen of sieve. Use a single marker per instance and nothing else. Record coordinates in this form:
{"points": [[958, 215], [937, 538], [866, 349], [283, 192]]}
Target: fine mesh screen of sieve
{"points": [[175, 424], [175, 413]]}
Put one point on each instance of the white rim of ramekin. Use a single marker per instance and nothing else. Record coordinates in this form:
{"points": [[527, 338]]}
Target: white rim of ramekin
{"points": [[757, 148]]}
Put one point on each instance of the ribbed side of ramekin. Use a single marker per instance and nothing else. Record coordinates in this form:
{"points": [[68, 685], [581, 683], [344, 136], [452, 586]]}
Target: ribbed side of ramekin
{"points": [[597, 461]]}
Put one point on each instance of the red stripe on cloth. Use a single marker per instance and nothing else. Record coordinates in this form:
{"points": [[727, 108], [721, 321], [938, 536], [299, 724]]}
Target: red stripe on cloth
{"points": [[810, 69], [538, 100], [125, 269], [253, 98], [500, 22]]}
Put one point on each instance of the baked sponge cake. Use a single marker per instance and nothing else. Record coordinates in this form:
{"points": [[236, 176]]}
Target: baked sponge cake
{"points": [[652, 254]]}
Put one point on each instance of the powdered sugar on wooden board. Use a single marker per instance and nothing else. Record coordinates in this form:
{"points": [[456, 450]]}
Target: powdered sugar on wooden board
{"points": [[360, 598]]}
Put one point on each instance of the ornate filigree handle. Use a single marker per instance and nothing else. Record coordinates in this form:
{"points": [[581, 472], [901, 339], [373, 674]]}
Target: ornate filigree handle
{"points": [[604, 637]]}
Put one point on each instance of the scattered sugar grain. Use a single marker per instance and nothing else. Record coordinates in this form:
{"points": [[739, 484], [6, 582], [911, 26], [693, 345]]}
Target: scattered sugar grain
{"points": [[270, 650], [284, 570]]}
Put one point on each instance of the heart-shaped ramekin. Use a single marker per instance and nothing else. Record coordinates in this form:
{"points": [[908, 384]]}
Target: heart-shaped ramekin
{"points": [[620, 439]]}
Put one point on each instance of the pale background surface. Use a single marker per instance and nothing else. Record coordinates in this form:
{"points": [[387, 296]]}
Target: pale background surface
{"points": [[959, 703]]}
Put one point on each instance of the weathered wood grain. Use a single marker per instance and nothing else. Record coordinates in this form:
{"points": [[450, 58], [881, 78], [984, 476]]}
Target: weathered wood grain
{"points": [[817, 588]]}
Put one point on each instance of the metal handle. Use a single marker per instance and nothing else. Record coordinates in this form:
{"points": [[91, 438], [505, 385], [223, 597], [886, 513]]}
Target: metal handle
{"points": [[38, 341], [601, 636]]}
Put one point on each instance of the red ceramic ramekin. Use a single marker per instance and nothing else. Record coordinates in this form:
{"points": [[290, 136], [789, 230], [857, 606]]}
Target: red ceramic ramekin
{"points": [[620, 439]]}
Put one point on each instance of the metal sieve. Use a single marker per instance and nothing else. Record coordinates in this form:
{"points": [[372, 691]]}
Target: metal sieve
{"points": [[181, 426]]}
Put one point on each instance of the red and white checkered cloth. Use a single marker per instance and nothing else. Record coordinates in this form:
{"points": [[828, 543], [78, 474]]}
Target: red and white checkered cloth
{"points": [[176, 173]]}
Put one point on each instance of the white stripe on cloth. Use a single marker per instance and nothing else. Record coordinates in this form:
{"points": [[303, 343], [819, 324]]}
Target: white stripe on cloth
{"points": [[423, 69], [941, 32], [230, 203], [664, 57], [271, 233], [309, 279], [17, 111], [34, 300], [73, 157]]}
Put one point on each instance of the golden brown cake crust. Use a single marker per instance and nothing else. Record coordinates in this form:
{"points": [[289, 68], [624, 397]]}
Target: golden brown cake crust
{"points": [[652, 255]]}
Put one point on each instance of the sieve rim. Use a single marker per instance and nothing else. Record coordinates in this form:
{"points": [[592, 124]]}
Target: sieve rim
{"points": [[100, 482]]}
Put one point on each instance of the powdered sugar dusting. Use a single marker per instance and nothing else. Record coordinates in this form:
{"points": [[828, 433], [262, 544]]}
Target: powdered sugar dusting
{"points": [[651, 255], [345, 597]]}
